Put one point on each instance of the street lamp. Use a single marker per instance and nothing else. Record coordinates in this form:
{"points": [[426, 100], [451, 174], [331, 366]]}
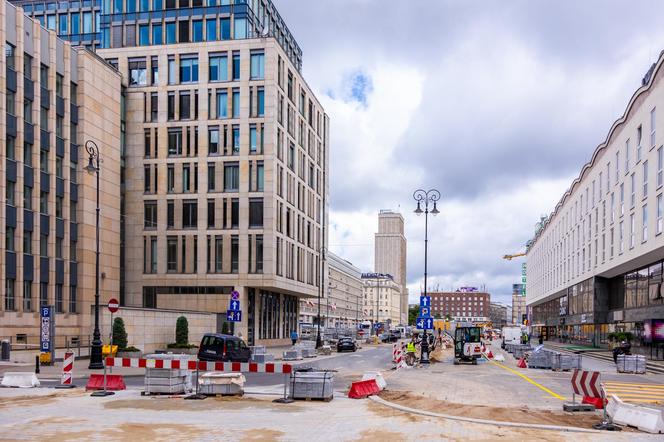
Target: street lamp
{"points": [[424, 198], [323, 251], [95, 350]]}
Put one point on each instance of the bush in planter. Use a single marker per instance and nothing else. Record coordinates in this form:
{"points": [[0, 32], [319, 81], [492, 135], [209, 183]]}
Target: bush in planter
{"points": [[131, 349], [119, 334], [182, 331]]}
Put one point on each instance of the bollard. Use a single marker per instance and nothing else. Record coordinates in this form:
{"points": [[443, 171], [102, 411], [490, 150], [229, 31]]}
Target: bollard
{"points": [[36, 364]]}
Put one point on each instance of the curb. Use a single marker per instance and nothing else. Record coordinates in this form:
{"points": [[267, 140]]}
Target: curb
{"points": [[382, 401]]}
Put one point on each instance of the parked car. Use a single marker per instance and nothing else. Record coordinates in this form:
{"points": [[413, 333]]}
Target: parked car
{"points": [[346, 344], [389, 337], [223, 348]]}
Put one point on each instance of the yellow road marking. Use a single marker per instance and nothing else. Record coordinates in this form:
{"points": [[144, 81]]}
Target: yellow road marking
{"points": [[653, 386], [522, 376]]}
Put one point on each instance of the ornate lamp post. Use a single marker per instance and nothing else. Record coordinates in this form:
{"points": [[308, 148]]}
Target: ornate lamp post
{"points": [[424, 198], [93, 168]]}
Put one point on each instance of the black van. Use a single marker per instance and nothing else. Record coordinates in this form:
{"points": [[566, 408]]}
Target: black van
{"points": [[224, 348]]}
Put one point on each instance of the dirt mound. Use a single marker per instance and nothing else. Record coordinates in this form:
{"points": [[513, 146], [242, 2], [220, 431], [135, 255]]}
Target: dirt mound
{"points": [[507, 414]]}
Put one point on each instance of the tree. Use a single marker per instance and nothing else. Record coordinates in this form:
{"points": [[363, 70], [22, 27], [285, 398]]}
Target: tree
{"points": [[182, 331], [119, 334], [413, 313]]}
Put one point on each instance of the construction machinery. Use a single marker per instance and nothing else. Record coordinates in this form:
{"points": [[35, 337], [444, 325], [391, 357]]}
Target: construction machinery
{"points": [[515, 255], [467, 344]]}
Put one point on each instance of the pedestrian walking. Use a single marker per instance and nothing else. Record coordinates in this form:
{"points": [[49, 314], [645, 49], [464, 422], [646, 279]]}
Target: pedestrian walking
{"points": [[293, 336]]}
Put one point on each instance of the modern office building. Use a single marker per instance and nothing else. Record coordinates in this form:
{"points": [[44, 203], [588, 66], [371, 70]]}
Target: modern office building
{"points": [[390, 254], [342, 302], [595, 264], [53, 99], [225, 154], [382, 299], [498, 314], [519, 313], [467, 304]]}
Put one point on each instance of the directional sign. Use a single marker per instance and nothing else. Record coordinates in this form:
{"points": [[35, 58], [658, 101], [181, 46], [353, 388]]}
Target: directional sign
{"points": [[113, 305], [425, 301], [424, 311], [424, 323], [235, 295], [234, 306], [45, 341], [233, 316]]}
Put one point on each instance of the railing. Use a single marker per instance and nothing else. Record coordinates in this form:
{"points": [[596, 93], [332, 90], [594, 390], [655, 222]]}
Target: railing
{"points": [[32, 342]]}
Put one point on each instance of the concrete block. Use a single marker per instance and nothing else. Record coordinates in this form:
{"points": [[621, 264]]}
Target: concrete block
{"points": [[644, 418], [20, 379]]}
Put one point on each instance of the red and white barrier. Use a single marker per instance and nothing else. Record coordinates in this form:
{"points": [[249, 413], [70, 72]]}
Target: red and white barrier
{"points": [[192, 364], [586, 383], [67, 368]]}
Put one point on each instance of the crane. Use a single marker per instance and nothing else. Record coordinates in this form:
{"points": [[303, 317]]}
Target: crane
{"points": [[515, 255]]}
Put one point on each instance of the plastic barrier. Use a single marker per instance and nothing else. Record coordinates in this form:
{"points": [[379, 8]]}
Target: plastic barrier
{"points": [[114, 382], [377, 376], [192, 364], [522, 363], [646, 419], [20, 379], [362, 389], [594, 401]]}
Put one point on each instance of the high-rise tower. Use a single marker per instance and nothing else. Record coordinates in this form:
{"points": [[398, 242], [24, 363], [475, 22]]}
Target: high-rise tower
{"points": [[390, 252]]}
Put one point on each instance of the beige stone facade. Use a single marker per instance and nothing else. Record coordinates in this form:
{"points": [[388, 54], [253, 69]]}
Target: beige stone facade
{"points": [[233, 189], [342, 303], [382, 299], [390, 254], [53, 99]]}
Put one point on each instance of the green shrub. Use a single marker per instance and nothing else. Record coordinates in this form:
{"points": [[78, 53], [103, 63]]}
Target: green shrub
{"points": [[119, 334], [225, 328], [131, 349], [182, 331]]}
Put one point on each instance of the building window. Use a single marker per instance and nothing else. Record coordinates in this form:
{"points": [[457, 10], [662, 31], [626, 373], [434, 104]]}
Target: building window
{"points": [[631, 230], [27, 242], [197, 30], [236, 103], [72, 299], [10, 193], [172, 254], [170, 33], [43, 294], [218, 68], [235, 253], [231, 177], [644, 224], [59, 304], [43, 202], [210, 214], [9, 238], [211, 177], [188, 70], [27, 296], [660, 213], [236, 65], [645, 178], [253, 139], [225, 28], [170, 102], [660, 166], [632, 198], [260, 177], [150, 215], [189, 214], [222, 104], [185, 105], [157, 35], [183, 31], [213, 141], [240, 28], [257, 66], [170, 178], [622, 237], [137, 72], [10, 294], [170, 215], [255, 212], [260, 102], [144, 35], [175, 142]]}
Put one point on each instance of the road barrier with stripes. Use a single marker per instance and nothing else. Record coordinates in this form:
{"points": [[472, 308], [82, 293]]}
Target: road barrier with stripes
{"points": [[193, 364], [67, 367]]}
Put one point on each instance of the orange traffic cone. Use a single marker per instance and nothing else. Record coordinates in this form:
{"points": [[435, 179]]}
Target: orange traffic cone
{"points": [[521, 363], [490, 355]]}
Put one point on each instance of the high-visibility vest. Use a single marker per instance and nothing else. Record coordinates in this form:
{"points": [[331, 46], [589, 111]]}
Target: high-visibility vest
{"points": [[410, 348]]}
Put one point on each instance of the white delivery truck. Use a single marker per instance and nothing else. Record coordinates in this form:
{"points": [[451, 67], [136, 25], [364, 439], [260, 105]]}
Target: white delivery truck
{"points": [[510, 335]]}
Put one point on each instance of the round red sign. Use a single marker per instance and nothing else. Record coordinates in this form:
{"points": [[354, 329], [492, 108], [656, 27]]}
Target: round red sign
{"points": [[113, 305]]}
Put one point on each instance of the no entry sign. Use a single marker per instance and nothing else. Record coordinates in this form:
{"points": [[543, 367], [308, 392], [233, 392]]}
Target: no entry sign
{"points": [[113, 305]]}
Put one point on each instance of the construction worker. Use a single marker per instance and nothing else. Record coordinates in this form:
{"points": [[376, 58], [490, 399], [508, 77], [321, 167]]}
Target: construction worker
{"points": [[410, 352]]}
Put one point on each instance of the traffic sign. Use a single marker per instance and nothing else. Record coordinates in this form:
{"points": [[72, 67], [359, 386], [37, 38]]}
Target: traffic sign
{"points": [[46, 315], [233, 316], [586, 383], [425, 301], [424, 323], [235, 295], [113, 305], [377, 325], [424, 311], [234, 306]]}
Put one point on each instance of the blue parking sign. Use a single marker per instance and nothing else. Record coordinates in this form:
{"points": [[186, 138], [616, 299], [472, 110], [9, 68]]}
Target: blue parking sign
{"points": [[233, 316], [425, 301], [425, 312]]}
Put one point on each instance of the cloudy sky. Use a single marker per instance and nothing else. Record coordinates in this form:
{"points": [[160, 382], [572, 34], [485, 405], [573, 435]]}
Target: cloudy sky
{"points": [[497, 104]]}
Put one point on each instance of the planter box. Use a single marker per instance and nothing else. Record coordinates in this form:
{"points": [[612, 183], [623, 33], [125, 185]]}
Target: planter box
{"points": [[180, 351], [129, 354]]}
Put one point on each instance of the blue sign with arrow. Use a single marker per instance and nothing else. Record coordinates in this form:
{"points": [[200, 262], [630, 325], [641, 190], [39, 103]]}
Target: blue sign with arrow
{"points": [[424, 323], [425, 301], [233, 316], [234, 306]]}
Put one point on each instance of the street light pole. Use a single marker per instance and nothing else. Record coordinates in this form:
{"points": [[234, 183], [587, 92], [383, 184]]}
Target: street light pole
{"points": [[323, 250], [426, 197], [96, 347]]}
